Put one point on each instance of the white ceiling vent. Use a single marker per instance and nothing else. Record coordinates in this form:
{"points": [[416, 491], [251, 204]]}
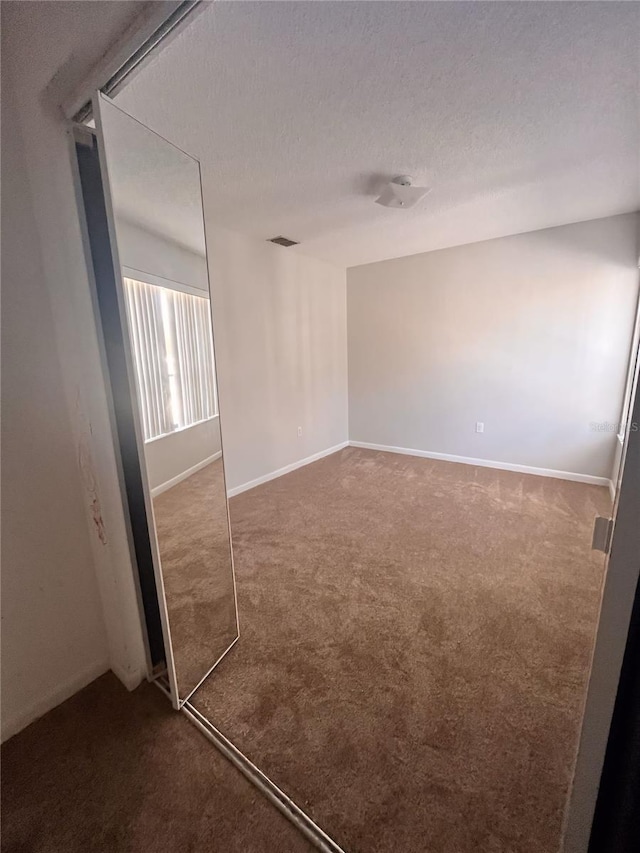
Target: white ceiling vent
{"points": [[401, 193]]}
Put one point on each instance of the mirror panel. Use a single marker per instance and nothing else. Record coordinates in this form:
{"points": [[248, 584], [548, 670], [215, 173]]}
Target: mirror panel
{"points": [[153, 191]]}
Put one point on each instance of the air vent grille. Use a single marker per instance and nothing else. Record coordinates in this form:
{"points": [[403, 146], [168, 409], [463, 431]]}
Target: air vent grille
{"points": [[283, 241]]}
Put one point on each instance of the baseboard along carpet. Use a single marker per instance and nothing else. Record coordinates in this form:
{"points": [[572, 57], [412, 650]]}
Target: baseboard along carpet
{"points": [[414, 651]]}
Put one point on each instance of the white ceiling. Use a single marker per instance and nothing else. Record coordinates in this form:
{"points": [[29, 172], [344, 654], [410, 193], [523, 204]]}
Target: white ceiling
{"points": [[153, 185], [519, 115]]}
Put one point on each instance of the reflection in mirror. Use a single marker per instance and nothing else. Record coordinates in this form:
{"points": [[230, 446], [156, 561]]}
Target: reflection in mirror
{"points": [[158, 219]]}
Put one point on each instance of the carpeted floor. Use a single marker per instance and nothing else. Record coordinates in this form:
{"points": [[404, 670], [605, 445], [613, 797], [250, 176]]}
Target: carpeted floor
{"points": [[415, 645], [124, 773], [415, 642], [193, 539]]}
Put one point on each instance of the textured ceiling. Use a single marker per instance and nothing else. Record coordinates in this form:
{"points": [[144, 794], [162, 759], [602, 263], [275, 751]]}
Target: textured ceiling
{"points": [[154, 185], [519, 115]]}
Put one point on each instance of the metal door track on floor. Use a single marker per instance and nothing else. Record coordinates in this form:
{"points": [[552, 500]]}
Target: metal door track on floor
{"points": [[269, 789]]}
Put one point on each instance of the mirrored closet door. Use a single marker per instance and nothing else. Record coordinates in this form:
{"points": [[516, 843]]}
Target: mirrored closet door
{"points": [[154, 214]]}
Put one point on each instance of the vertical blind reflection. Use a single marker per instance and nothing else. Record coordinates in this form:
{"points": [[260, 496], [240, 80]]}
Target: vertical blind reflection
{"points": [[172, 346]]}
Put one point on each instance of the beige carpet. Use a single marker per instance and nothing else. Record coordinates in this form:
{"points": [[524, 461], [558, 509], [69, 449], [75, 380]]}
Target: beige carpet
{"points": [[415, 641], [193, 539], [116, 772]]}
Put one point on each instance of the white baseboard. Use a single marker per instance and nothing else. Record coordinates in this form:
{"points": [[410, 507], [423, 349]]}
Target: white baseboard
{"points": [[15, 723], [273, 475], [158, 490], [487, 463], [612, 491], [130, 679]]}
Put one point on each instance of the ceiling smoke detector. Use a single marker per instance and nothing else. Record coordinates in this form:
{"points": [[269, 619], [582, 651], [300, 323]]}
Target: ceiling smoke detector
{"points": [[400, 193]]}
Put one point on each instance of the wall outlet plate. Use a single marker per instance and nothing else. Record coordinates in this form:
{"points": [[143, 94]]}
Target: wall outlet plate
{"points": [[479, 426]]}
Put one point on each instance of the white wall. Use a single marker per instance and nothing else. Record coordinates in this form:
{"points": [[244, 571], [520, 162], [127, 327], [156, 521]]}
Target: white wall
{"points": [[280, 337], [142, 250], [174, 454], [280, 341], [281, 352], [529, 334], [65, 529], [53, 634]]}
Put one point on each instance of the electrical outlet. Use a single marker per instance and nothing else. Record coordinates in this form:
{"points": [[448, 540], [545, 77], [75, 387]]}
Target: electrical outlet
{"points": [[299, 432], [479, 426]]}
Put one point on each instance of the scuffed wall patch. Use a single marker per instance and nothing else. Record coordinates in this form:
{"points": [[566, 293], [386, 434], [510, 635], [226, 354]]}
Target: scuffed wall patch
{"points": [[87, 471]]}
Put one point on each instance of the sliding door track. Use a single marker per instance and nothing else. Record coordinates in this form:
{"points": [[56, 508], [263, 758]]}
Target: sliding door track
{"points": [[280, 800], [269, 789]]}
